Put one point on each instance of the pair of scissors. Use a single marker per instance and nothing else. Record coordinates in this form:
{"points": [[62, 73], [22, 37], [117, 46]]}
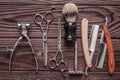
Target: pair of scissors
{"points": [[38, 19], [57, 60]]}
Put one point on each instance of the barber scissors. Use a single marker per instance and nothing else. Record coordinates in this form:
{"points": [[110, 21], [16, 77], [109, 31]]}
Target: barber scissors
{"points": [[55, 61], [38, 19]]}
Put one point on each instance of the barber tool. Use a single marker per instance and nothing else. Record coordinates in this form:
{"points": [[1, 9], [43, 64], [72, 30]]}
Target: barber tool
{"points": [[110, 51], [70, 12], [55, 61], [22, 40], [38, 19], [92, 43], [76, 62], [84, 32], [102, 52]]}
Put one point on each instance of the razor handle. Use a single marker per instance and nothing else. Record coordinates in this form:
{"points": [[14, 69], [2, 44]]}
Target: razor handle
{"points": [[110, 51]]}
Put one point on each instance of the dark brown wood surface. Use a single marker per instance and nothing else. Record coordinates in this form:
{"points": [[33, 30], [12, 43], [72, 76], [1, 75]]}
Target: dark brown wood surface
{"points": [[23, 67]]}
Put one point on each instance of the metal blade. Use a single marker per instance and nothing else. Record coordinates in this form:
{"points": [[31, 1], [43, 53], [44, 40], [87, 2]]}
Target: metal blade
{"points": [[93, 37], [92, 43], [59, 35], [45, 48], [102, 52]]}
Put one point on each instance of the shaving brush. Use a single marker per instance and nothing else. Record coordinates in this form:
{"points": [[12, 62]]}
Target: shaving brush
{"points": [[70, 12]]}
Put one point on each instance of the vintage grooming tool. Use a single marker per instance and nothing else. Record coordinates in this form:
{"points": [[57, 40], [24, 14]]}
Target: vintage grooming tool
{"points": [[55, 62], [38, 19], [76, 62], [22, 40], [84, 32], [92, 43], [70, 12], [110, 51], [102, 52]]}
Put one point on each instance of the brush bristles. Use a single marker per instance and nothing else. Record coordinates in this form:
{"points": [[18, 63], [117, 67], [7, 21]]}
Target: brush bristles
{"points": [[70, 12]]}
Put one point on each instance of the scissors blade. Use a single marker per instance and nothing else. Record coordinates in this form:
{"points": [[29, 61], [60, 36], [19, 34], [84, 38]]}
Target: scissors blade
{"points": [[59, 34], [102, 52], [39, 22], [45, 48]]}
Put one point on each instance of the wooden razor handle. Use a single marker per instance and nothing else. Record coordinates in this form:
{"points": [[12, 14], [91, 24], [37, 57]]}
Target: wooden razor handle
{"points": [[110, 51], [84, 32]]}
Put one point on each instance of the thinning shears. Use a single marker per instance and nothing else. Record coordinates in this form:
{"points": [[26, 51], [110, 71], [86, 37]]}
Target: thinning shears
{"points": [[57, 60], [38, 19]]}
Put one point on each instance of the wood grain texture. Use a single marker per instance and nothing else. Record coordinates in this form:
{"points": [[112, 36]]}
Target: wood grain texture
{"points": [[110, 50], [58, 2], [12, 11]]}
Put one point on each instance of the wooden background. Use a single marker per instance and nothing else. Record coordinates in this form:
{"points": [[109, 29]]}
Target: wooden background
{"points": [[23, 64]]}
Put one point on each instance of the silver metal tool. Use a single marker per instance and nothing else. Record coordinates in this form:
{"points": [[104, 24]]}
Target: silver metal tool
{"points": [[38, 19], [55, 61], [22, 40], [92, 43], [76, 61], [102, 52]]}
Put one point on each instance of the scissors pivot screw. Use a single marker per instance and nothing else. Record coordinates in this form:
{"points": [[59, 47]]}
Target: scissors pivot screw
{"points": [[40, 54]]}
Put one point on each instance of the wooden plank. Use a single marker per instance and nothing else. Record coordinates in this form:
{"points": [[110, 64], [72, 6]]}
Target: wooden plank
{"points": [[59, 2], [52, 44], [10, 15], [30, 75], [104, 76], [18, 75], [23, 60], [26, 62]]}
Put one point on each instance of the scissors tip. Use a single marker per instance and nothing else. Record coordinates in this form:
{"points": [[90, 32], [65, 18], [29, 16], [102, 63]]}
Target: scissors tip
{"points": [[53, 8]]}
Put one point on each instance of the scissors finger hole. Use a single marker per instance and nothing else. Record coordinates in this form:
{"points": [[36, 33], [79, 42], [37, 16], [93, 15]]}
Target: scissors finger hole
{"points": [[63, 66], [38, 18], [49, 17], [52, 64]]}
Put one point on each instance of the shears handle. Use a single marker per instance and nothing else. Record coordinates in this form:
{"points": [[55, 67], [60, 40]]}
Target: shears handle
{"points": [[38, 18], [84, 30], [52, 63], [49, 17]]}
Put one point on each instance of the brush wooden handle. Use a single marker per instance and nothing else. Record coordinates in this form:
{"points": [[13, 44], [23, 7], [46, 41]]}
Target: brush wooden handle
{"points": [[84, 32], [70, 31], [110, 51]]}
